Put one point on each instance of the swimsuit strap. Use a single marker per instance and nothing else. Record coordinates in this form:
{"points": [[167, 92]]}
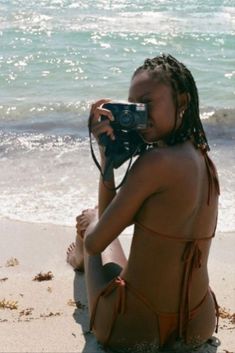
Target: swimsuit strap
{"points": [[216, 310], [191, 260], [212, 176], [181, 239], [120, 285]]}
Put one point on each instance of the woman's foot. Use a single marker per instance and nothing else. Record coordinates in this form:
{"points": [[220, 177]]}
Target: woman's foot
{"points": [[75, 255]]}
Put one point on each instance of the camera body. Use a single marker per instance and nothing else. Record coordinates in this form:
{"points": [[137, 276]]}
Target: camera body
{"points": [[128, 116], [129, 119]]}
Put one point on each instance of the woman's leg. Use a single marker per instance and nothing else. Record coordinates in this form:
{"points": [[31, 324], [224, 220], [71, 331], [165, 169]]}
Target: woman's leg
{"points": [[99, 269], [102, 268]]}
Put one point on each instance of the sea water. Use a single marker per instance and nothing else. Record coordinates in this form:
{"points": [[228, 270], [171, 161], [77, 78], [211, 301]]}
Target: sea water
{"points": [[58, 56]]}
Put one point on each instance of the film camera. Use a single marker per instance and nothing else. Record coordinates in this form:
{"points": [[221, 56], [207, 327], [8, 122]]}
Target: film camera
{"points": [[129, 118]]}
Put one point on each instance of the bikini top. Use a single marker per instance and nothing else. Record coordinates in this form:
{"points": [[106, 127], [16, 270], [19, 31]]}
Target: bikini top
{"points": [[191, 260]]}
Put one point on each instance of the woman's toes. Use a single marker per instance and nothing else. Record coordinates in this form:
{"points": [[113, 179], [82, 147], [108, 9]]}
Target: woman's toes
{"points": [[75, 257], [70, 248]]}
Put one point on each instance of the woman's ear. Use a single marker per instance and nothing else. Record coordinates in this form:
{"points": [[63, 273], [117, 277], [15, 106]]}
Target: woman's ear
{"points": [[183, 101]]}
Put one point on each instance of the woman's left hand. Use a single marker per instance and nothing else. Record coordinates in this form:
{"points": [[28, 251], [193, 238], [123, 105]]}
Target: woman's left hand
{"points": [[87, 216]]}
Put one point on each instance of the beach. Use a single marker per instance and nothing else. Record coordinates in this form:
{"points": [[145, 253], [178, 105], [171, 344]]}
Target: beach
{"points": [[51, 315], [57, 58]]}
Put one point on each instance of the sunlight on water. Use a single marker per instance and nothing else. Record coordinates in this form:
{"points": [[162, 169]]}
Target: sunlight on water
{"points": [[58, 56]]}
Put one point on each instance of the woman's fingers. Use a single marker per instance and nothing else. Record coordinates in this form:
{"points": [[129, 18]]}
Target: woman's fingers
{"points": [[97, 125], [85, 218], [103, 127], [95, 106], [98, 104], [102, 112], [78, 218], [81, 222]]}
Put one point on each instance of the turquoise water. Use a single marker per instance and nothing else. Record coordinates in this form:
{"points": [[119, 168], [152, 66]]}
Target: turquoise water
{"points": [[57, 56], [71, 52]]}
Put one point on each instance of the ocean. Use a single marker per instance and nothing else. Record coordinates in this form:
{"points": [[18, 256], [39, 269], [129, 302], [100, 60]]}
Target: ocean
{"points": [[58, 56]]}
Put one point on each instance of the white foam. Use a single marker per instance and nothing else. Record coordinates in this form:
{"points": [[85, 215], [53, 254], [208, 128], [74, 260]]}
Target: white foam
{"points": [[54, 184]]}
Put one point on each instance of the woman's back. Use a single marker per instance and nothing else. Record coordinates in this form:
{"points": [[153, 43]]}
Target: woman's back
{"points": [[165, 226], [181, 206]]}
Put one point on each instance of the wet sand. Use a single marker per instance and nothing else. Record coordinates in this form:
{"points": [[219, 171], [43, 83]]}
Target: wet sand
{"points": [[51, 315]]}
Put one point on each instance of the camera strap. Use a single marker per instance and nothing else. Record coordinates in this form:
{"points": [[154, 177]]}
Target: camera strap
{"points": [[109, 166]]}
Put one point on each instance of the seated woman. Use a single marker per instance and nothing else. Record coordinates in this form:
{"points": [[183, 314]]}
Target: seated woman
{"points": [[160, 296]]}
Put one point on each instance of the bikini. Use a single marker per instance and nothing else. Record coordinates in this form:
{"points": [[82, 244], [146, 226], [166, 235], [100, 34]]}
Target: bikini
{"points": [[167, 323]]}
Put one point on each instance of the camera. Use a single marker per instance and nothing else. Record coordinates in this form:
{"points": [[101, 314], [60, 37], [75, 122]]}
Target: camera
{"points": [[129, 119], [128, 116]]}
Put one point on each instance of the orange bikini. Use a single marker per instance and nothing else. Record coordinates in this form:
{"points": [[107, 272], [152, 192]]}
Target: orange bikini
{"points": [[167, 322]]}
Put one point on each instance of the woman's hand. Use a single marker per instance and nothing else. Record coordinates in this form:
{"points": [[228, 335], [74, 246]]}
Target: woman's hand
{"points": [[84, 219], [97, 125]]}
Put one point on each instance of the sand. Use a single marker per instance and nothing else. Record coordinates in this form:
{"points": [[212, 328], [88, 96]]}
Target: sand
{"points": [[51, 315]]}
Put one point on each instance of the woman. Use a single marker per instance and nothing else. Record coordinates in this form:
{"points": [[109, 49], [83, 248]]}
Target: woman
{"points": [[160, 296]]}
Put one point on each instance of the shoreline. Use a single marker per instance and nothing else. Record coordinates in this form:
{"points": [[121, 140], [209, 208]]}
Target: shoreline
{"points": [[52, 315]]}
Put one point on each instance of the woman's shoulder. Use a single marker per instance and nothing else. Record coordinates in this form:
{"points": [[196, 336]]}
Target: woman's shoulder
{"points": [[157, 157], [152, 163], [168, 161]]}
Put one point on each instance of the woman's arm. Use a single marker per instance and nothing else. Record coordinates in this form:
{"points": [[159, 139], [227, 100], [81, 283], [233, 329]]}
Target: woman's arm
{"points": [[147, 176], [98, 127], [106, 188]]}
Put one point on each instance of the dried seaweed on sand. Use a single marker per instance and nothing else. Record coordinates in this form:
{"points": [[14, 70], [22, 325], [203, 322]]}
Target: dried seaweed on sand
{"points": [[12, 262], [26, 312], [43, 276], [50, 314], [77, 303], [225, 314], [3, 279], [8, 304]]}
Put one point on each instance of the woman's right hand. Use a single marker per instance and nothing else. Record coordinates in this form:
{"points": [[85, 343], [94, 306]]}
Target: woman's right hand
{"points": [[98, 126]]}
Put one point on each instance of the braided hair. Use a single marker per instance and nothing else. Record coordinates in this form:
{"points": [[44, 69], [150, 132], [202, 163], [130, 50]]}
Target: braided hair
{"points": [[170, 71]]}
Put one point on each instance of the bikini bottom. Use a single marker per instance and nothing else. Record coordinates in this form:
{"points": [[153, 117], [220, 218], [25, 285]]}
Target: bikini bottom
{"points": [[167, 323]]}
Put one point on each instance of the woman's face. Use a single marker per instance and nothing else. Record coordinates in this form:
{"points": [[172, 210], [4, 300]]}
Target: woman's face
{"points": [[161, 106]]}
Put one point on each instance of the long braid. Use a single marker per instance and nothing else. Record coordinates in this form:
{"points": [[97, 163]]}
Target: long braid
{"points": [[173, 72]]}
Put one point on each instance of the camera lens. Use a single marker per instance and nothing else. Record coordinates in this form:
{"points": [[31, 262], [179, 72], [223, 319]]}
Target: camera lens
{"points": [[126, 120]]}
